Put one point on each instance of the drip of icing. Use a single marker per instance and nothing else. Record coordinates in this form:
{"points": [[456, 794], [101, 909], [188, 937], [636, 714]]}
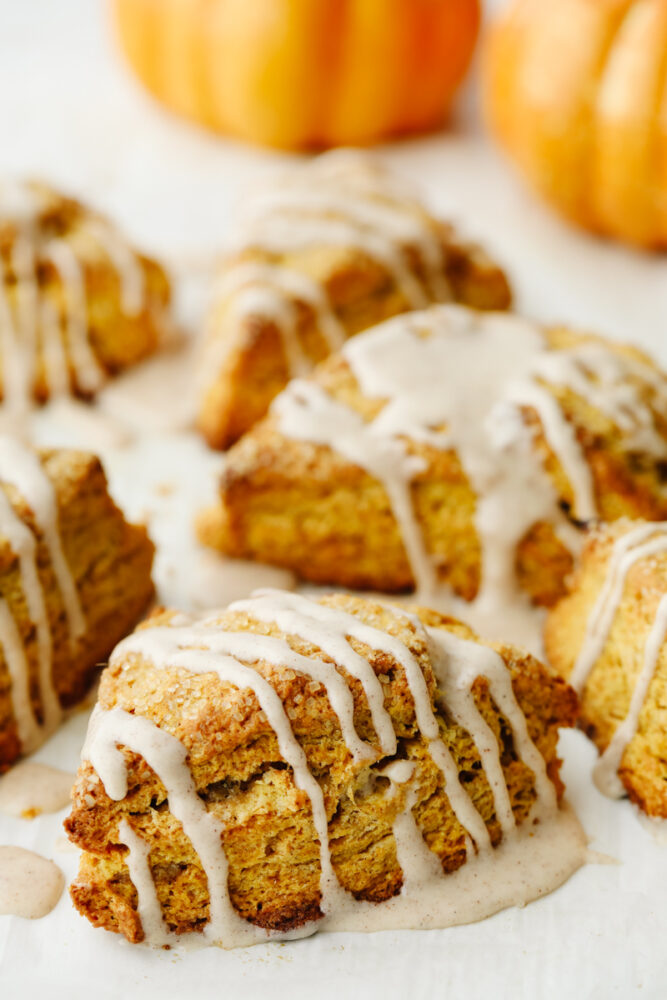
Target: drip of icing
{"points": [[457, 663], [458, 381], [30, 886], [629, 549], [31, 328], [22, 469], [90, 376], [346, 203], [23, 544], [284, 284], [125, 263], [168, 758], [148, 906], [161, 646], [201, 646], [605, 774], [417, 862], [30, 789]]}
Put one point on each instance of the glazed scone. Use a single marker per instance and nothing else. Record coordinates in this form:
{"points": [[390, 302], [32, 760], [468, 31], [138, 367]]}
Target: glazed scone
{"points": [[75, 578], [77, 303], [337, 247], [451, 448], [252, 771], [609, 637]]}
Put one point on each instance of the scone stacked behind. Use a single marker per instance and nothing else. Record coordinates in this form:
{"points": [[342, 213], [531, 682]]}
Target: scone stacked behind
{"points": [[450, 448], [281, 762], [609, 638], [335, 248], [75, 577], [77, 303]]}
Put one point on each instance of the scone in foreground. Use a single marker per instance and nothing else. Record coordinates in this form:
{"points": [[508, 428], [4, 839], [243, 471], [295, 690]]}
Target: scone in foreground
{"points": [[75, 578], [451, 448], [335, 248], [270, 768], [77, 303], [609, 638]]}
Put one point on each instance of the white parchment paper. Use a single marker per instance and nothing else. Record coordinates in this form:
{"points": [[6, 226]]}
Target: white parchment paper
{"points": [[70, 113]]}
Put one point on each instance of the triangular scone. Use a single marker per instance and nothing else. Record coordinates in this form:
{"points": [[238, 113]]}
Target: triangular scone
{"points": [[449, 447], [75, 577], [77, 303], [339, 246], [290, 759], [609, 637]]}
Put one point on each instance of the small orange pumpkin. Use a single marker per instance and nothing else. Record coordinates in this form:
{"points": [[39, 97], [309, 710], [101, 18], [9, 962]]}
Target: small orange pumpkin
{"points": [[576, 90], [302, 73]]}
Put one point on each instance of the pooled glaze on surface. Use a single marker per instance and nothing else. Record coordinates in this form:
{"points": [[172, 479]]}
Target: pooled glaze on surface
{"points": [[30, 886], [30, 789]]}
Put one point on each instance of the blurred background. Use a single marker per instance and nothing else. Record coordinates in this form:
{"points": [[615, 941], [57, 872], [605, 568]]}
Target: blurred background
{"points": [[72, 111]]}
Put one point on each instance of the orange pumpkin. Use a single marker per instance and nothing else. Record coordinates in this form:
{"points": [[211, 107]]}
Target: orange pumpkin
{"points": [[577, 92], [302, 73]]}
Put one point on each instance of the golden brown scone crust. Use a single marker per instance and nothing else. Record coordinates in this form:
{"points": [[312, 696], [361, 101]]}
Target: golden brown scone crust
{"points": [[269, 837], [118, 339], [361, 292], [605, 699], [304, 507], [110, 561]]}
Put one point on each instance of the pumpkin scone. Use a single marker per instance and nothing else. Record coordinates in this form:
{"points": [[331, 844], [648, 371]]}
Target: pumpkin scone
{"points": [[449, 448], [75, 578], [339, 245], [77, 303], [609, 638], [290, 763]]}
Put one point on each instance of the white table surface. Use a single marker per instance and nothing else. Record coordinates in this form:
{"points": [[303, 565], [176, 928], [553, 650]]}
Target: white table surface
{"points": [[70, 113]]}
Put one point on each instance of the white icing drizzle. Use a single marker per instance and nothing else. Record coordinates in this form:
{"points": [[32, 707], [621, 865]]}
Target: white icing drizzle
{"points": [[605, 774], [201, 646], [125, 262], [33, 328], [22, 469], [642, 542], [636, 544], [458, 381], [282, 285], [342, 201], [90, 375], [417, 862]]}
